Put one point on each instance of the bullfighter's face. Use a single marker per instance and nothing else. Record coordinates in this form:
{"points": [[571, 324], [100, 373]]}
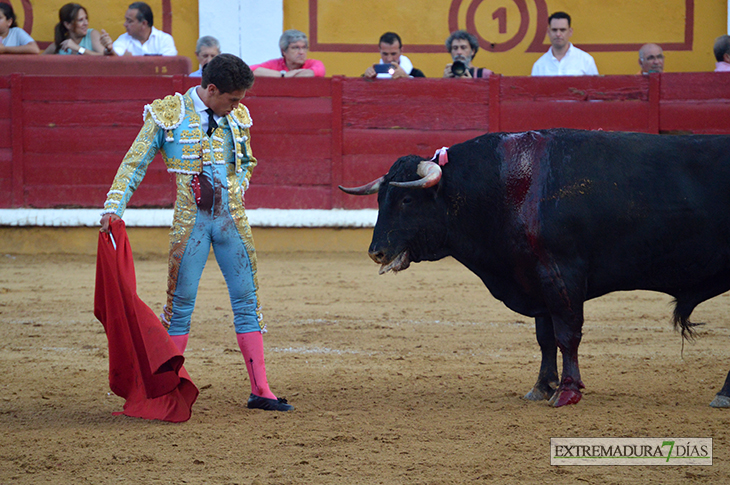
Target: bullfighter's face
{"points": [[223, 103]]}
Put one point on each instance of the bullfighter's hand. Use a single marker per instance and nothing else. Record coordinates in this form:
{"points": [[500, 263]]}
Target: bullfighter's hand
{"points": [[106, 220]]}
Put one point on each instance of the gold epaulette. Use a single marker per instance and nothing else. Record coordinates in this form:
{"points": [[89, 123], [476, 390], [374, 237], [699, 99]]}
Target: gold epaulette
{"points": [[168, 112], [241, 116]]}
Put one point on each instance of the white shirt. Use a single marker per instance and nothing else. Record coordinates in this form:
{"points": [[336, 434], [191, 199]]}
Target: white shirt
{"points": [[16, 37], [158, 44], [200, 108], [575, 62]]}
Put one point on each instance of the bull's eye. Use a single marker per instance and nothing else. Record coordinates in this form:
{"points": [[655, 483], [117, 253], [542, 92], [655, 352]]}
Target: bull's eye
{"points": [[407, 200]]}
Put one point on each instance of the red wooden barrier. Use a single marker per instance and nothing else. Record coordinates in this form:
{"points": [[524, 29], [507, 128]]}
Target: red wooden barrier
{"points": [[94, 65], [63, 137]]}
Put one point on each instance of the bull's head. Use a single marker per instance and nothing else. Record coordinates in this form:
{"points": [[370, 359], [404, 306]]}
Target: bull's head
{"points": [[410, 226]]}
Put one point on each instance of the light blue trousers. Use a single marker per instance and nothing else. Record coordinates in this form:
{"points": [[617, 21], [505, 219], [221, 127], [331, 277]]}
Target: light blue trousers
{"points": [[217, 228]]}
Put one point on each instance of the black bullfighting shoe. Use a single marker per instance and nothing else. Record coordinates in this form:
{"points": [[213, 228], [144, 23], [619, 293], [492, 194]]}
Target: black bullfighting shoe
{"points": [[258, 402]]}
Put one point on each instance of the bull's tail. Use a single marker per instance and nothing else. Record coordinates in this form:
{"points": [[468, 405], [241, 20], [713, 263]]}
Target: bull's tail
{"points": [[682, 323]]}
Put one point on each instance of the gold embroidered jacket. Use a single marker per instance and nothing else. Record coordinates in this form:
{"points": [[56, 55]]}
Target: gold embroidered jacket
{"points": [[172, 127]]}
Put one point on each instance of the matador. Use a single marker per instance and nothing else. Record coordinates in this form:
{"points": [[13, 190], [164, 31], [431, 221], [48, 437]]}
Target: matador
{"points": [[204, 139]]}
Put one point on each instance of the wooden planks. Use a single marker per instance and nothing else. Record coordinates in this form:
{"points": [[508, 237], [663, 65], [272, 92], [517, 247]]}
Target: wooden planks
{"points": [[695, 103], [96, 66], [585, 102], [63, 137]]}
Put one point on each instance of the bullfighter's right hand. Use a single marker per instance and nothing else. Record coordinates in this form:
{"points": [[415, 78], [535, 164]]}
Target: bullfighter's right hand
{"points": [[106, 220]]}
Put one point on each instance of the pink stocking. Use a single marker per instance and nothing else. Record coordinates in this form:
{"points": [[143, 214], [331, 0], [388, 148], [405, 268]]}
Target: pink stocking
{"points": [[180, 341], [252, 348]]}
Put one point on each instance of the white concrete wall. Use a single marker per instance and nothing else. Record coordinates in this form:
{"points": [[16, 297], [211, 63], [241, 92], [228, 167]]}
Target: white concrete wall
{"points": [[248, 28]]}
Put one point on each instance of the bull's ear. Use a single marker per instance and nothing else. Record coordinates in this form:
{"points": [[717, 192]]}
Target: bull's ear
{"points": [[430, 174]]}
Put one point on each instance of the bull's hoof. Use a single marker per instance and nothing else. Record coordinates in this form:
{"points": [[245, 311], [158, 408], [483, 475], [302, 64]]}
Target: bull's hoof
{"points": [[538, 395], [720, 402], [565, 396]]}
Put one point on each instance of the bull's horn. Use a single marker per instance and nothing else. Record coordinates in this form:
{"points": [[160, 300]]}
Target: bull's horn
{"points": [[366, 189], [430, 175]]}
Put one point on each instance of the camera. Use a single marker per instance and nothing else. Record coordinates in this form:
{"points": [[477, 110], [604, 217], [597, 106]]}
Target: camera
{"points": [[458, 68], [384, 68]]}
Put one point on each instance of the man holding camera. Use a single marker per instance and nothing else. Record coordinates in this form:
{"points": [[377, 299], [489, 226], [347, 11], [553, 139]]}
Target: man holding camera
{"points": [[463, 46], [393, 64]]}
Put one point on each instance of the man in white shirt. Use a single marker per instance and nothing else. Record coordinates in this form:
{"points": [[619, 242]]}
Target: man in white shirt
{"points": [[142, 39], [563, 58]]}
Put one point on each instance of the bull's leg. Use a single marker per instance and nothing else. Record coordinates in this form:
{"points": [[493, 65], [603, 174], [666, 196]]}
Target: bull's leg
{"points": [[547, 379], [568, 338], [564, 293], [722, 400]]}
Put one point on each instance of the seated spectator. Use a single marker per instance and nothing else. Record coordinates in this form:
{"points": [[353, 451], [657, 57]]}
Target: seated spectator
{"points": [[722, 53], [13, 39], [293, 62], [141, 38], [72, 34], [651, 58], [206, 49], [563, 58], [396, 65], [463, 46]]}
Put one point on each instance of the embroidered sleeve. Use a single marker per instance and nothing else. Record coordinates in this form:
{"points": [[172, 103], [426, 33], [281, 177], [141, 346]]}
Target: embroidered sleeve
{"points": [[248, 161], [134, 166], [245, 162]]}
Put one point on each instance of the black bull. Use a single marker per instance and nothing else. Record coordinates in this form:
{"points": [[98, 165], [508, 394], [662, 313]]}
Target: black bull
{"points": [[549, 219]]}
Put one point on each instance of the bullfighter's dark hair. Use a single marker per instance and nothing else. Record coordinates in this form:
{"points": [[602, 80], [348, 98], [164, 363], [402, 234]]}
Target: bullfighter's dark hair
{"points": [[722, 47], [390, 38], [144, 12], [9, 13], [228, 73], [559, 15]]}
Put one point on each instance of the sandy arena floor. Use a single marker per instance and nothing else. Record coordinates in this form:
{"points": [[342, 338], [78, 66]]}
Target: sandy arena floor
{"points": [[397, 379]]}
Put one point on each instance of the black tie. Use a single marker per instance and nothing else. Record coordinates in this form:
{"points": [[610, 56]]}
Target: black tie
{"points": [[212, 125]]}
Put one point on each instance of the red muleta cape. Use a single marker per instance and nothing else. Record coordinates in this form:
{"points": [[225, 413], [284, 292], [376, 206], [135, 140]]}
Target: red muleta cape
{"points": [[145, 366]]}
